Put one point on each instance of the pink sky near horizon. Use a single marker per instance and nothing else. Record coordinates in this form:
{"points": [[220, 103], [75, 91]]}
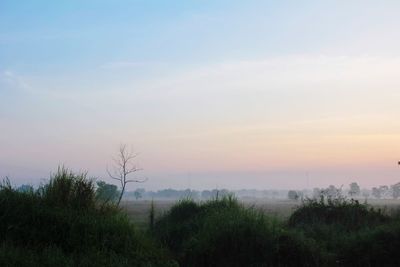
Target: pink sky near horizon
{"points": [[235, 94]]}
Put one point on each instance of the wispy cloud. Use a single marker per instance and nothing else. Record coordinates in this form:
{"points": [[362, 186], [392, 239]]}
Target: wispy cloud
{"points": [[130, 64], [15, 80], [287, 71]]}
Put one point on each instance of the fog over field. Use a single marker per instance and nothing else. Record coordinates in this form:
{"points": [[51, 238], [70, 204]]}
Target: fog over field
{"points": [[204, 133], [221, 94]]}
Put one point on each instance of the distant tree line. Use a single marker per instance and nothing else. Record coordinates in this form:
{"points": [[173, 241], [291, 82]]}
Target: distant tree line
{"points": [[173, 194], [110, 193], [141, 193], [353, 191]]}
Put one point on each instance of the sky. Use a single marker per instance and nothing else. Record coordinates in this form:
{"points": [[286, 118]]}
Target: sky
{"points": [[210, 94]]}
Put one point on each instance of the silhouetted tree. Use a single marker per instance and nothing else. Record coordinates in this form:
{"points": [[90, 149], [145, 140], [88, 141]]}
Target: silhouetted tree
{"points": [[354, 190], [106, 192], [396, 190], [123, 167], [138, 193], [332, 192]]}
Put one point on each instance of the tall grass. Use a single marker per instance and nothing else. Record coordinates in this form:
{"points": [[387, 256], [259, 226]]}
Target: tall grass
{"points": [[68, 189], [152, 216], [324, 232], [372, 247], [349, 233], [349, 214], [222, 232], [61, 225]]}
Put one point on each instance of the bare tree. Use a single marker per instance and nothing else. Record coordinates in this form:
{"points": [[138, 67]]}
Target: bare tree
{"points": [[354, 189], [124, 167]]}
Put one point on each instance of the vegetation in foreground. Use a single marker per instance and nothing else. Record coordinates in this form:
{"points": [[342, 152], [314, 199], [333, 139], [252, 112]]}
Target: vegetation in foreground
{"points": [[224, 233], [62, 224], [324, 232], [68, 222]]}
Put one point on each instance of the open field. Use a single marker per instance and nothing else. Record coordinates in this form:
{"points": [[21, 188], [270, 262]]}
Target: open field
{"points": [[138, 210], [64, 223]]}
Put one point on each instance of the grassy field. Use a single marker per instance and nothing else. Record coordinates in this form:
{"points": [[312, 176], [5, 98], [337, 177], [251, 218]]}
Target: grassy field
{"points": [[62, 223], [138, 210], [66, 223]]}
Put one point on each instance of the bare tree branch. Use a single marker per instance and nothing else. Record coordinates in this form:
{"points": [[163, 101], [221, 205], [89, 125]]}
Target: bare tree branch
{"points": [[137, 181], [123, 167]]}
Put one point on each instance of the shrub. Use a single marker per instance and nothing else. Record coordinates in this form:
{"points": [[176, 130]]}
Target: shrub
{"points": [[61, 225], [106, 193], [231, 237], [177, 225], [372, 247], [68, 189], [349, 215], [295, 249], [224, 233], [332, 222]]}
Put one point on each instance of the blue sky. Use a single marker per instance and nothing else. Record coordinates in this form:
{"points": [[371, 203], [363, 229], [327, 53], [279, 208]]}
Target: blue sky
{"points": [[248, 89]]}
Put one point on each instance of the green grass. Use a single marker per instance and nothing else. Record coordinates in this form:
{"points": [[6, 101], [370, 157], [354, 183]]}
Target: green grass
{"points": [[349, 233], [63, 224], [335, 232], [224, 233], [372, 247], [350, 214]]}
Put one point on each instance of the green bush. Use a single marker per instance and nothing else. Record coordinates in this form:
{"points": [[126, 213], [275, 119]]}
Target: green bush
{"points": [[61, 225], [348, 215], [343, 229], [106, 193], [177, 225], [68, 189], [372, 247], [224, 233]]}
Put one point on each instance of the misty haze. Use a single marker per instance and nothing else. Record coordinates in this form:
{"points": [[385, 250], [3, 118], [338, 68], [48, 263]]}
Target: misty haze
{"points": [[199, 133]]}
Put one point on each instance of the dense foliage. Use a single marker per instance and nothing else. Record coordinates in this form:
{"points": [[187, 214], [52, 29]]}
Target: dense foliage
{"points": [[224, 233], [106, 193], [349, 233], [324, 232], [70, 222], [60, 224]]}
